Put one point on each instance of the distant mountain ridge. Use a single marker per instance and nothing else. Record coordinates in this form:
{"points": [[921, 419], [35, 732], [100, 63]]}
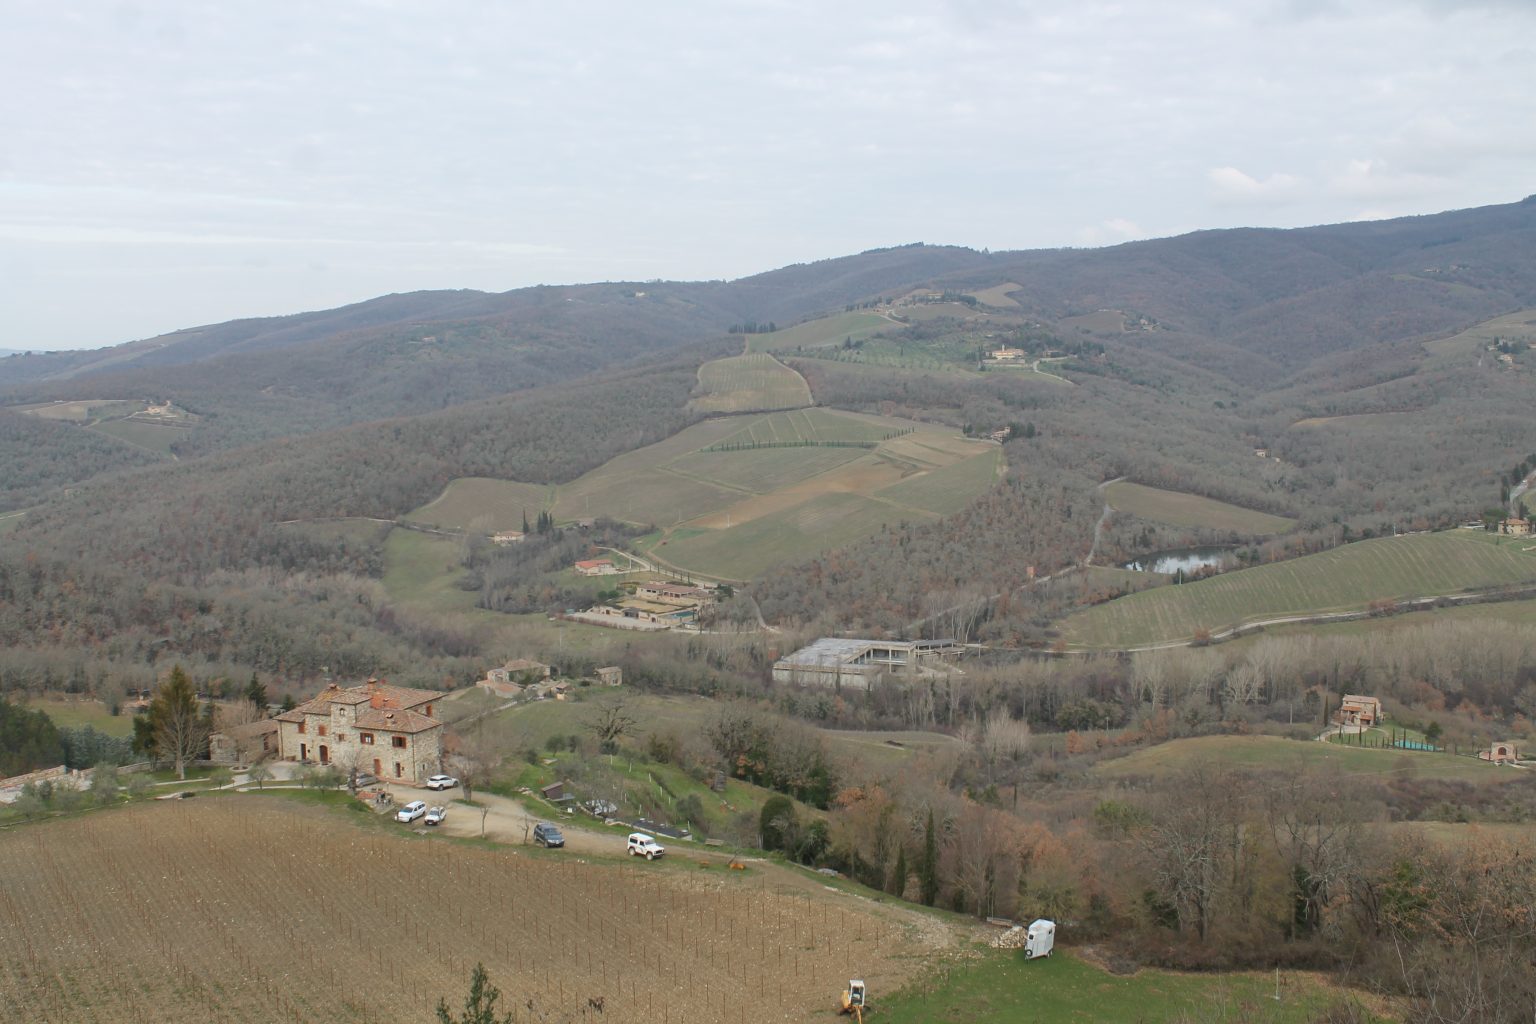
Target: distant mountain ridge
{"points": [[1256, 305]]}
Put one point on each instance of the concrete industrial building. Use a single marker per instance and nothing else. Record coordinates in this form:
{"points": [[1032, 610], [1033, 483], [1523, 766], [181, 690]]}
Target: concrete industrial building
{"points": [[837, 662]]}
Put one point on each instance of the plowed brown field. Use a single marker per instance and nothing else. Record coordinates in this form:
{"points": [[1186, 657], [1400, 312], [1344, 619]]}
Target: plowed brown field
{"points": [[254, 909]]}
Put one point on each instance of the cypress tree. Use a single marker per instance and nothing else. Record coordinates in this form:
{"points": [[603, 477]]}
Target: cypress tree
{"points": [[928, 869]]}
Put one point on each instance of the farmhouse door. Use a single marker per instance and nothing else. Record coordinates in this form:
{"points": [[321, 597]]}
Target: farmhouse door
{"points": [[325, 754], [303, 751], [377, 767], [399, 772]]}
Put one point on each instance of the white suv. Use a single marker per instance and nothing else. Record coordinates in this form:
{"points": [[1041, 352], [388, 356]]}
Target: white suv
{"points": [[411, 811], [442, 782], [642, 845]]}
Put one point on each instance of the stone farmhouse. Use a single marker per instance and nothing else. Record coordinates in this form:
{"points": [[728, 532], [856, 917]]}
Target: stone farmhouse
{"points": [[391, 731], [838, 662], [1516, 527], [597, 567], [1355, 709]]}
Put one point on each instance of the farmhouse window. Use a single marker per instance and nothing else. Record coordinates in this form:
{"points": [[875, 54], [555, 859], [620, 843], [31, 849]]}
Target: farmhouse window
{"points": [[365, 737], [429, 710], [398, 741], [341, 737], [322, 730], [301, 728]]}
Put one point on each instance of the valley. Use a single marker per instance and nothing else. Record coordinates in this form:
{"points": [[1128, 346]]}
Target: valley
{"points": [[910, 478]]}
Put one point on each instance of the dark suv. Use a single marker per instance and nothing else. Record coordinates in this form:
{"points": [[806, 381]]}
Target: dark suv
{"points": [[546, 834]]}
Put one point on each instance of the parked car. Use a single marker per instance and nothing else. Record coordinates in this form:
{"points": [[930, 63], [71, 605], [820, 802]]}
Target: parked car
{"points": [[548, 835], [411, 811], [366, 779], [642, 845], [442, 782], [435, 815]]}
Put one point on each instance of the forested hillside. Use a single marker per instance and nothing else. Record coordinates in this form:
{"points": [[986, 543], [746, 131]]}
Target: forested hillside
{"points": [[1334, 351]]}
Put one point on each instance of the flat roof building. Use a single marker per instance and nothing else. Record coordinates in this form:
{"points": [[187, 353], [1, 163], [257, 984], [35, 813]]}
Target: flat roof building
{"points": [[838, 661]]}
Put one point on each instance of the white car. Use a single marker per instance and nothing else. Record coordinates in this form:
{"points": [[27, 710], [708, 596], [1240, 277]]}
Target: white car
{"points": [[642, 845], [442, 782], [435, 815], [411, 811]]}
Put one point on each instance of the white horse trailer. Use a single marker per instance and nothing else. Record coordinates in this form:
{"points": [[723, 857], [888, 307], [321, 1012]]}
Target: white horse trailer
{"points": [[1041, 939]]}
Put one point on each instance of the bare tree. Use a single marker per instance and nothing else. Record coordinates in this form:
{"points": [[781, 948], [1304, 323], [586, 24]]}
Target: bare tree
{"points": [[609, 723], [474, 761]]}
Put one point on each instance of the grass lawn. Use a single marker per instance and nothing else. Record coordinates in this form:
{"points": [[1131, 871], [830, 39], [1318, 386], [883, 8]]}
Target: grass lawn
{"points": [[1277, 752], [70, 714], [1182, 509], [1346, 578], [1001, 987]]}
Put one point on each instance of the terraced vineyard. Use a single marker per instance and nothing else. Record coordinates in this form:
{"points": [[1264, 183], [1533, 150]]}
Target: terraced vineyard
{"points": [[748, 383], [1346, 578], [260, 909]]}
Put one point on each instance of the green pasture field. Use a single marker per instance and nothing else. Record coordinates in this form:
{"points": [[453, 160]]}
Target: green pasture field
{"points": [[70, 714], [752, 548], [1104, 321], [997, 295], [883, 752], [1278, 752], [81, 411], [156, 437], [922, 312], [654, 496], [1346, 578], [481, 505], [1182, 509], [421, 575], [787, 503], [814, 425], [531, 725], [949, 489], [829, 330], [763, 469], [749, 382], [421, 570], [1001, 987], [1398, 421]]}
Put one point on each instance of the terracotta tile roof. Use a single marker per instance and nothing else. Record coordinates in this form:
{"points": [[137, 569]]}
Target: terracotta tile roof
{"points": [[395, 720], [400, 696], [396, 697]]}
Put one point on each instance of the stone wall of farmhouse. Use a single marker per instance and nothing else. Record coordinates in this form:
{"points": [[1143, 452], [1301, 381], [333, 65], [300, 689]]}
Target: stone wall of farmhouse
{"points": [[421, 756]]}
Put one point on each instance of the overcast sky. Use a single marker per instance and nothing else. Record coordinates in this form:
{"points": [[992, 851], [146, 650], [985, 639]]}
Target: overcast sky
{"points": [[167, 164]]}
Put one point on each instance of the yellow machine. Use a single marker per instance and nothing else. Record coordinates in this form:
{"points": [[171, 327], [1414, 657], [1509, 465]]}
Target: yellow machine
{"points": [[854, 1000]]}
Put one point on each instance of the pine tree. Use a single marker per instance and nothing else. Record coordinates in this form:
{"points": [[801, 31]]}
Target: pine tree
{"points": [[180, 729]]}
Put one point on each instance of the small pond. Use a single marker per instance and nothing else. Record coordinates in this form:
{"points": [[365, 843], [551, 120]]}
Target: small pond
{"points": [[1186, 560]]}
